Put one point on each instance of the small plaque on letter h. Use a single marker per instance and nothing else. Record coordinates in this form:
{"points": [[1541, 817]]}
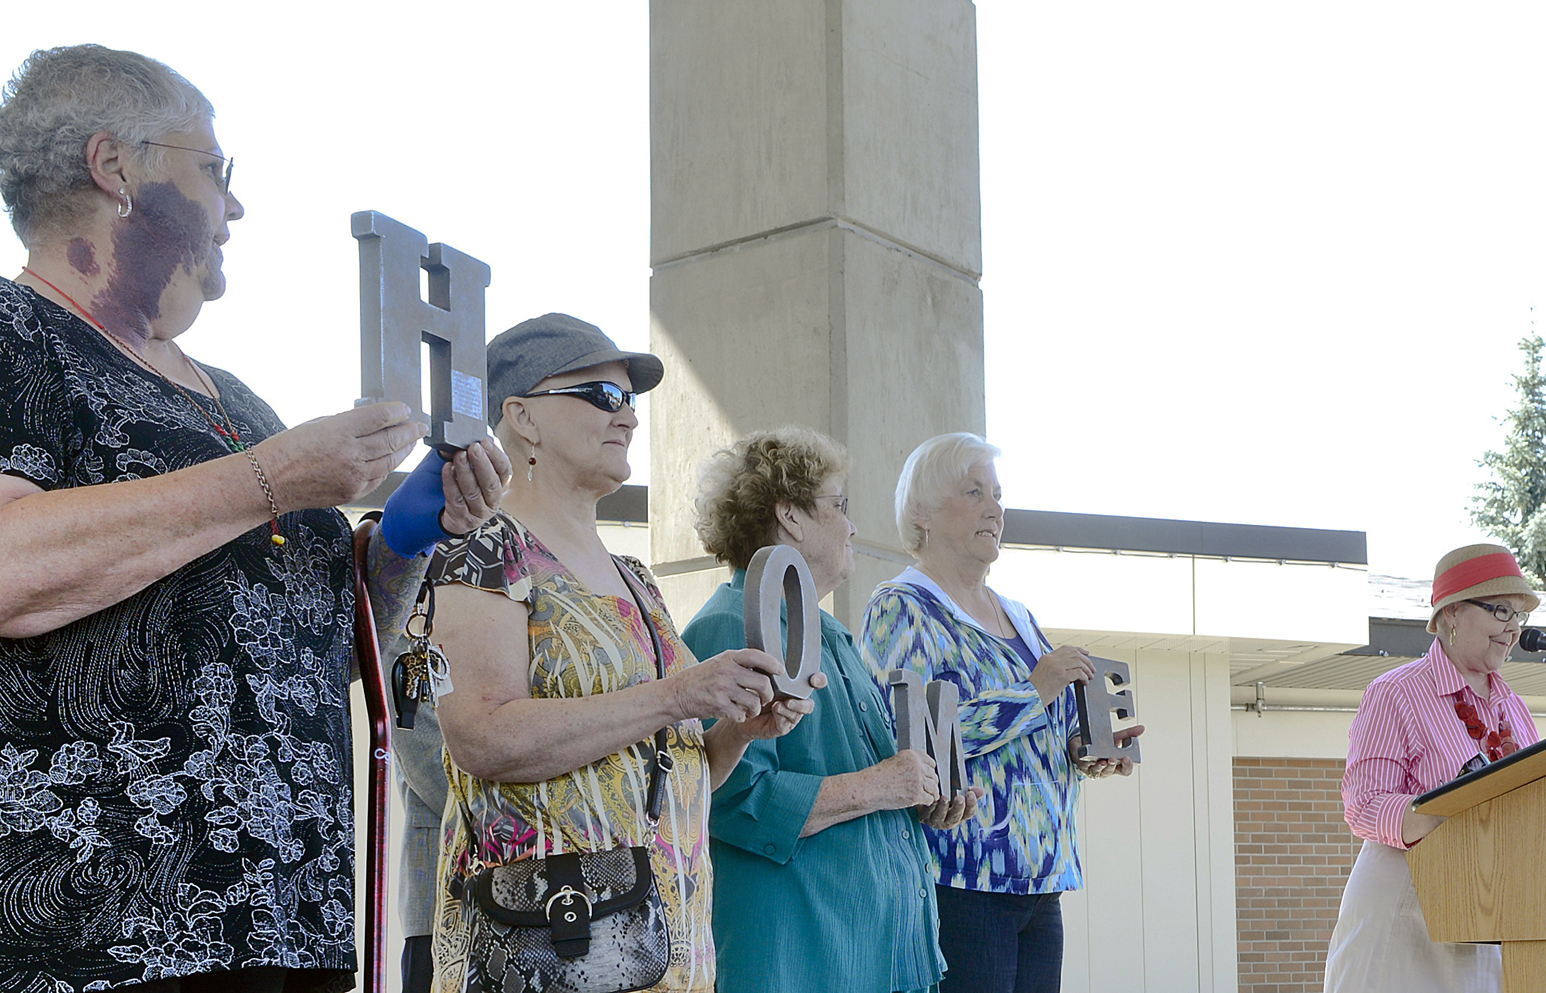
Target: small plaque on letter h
{"points": [[1096, 702], [928, 719]]}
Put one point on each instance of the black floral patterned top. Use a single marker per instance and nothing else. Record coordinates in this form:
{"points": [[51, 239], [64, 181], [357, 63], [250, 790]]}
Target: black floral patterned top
{"points": [[175, 770]]}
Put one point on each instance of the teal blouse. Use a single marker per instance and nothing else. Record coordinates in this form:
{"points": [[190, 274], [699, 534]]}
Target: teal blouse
{"points": [[850, 908]]}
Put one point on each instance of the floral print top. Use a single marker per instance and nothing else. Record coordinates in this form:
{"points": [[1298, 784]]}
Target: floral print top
{"points": [[581, 644], [1022, 839], [175, 769]]}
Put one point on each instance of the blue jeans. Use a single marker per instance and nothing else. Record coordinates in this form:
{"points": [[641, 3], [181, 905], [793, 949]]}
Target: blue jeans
{"points": [[1000, 942]]}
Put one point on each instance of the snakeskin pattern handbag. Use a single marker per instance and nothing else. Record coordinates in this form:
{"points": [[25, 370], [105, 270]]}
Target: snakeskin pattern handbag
{"points": [[587, 922], [583, 922]]}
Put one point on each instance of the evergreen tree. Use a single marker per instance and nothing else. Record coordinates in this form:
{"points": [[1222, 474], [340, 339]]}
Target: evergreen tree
{"points": [[1512, 505]]}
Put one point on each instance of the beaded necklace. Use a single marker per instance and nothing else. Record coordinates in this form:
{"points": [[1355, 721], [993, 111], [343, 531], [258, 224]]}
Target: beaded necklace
{"points": [[227, 431], [1498, 743]]}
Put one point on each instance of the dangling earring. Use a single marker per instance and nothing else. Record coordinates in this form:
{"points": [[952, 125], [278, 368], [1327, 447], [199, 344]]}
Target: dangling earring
{"points": [[1451, 636], [531, 463], [127, 207], [925, 538]]}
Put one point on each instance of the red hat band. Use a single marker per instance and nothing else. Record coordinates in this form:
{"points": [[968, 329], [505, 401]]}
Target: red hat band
{"points": [[1474, 572]]}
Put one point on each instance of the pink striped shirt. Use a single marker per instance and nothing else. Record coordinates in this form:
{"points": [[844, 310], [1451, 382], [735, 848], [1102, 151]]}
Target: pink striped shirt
{"points": [[1406, 740]]}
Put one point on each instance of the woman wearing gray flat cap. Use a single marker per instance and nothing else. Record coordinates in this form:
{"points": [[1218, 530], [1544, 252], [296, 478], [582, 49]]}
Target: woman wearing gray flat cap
{"points": [[549, 728]]}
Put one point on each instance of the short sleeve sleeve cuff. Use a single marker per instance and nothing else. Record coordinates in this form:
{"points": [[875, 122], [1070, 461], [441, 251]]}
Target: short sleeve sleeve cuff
{"points": [[490, 557], [31, 463], [35, 408]]}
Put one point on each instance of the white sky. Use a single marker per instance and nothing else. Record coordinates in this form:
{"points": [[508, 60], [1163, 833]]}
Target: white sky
{"points": [[1244, 262]]}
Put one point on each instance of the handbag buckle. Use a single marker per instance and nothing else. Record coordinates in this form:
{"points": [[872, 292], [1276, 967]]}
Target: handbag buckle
{"points": [[568, 915]]}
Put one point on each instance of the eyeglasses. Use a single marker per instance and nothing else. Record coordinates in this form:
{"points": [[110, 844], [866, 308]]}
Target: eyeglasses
{"points": [[225, 186], [1503, 611], [605, 396], [842, 501]]}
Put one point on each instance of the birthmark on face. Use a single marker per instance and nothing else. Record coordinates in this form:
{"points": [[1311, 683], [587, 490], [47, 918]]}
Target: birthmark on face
{"points": [[83, 257], [167, 231]]}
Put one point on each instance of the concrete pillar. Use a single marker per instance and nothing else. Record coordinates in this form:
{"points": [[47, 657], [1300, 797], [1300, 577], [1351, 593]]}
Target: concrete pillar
{"points": [[816, 244]]}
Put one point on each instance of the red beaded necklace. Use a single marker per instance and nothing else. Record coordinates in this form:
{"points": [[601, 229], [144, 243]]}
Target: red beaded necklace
{"points": [[1498, 743]]}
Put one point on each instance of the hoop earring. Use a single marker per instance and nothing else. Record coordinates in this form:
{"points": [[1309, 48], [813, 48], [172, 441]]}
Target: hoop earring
{"points": [[531, 463], [127, 206]]}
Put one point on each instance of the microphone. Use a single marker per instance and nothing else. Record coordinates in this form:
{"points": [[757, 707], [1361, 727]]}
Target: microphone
{"points": [[1532, 640]]}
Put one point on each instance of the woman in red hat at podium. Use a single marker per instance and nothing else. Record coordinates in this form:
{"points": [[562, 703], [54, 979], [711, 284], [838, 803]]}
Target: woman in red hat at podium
{"points": [[1419, 727]]}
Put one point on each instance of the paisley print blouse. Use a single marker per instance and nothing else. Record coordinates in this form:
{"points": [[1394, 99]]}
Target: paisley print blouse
{"points": [[175, 779], [581, 644]]}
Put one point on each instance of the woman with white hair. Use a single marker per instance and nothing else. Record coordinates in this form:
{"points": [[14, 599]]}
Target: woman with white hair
{"points": [[1001, 874]]}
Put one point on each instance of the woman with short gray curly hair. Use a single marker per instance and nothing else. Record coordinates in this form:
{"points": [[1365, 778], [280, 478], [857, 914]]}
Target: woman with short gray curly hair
{"points": [[176, 587], [58, 100], [816, 825]]}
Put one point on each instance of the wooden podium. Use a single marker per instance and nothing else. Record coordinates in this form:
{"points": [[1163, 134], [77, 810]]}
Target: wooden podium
{"points": [[1481, 875]]}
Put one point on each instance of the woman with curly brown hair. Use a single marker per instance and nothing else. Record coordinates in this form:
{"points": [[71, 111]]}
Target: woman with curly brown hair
{"points": [[814, 836]]}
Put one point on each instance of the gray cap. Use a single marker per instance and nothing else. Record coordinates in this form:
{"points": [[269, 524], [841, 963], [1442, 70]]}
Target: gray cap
{"points": [[525, 355]]}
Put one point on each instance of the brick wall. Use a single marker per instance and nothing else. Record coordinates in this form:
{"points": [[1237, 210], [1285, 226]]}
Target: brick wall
{"points": [[1293, 852]]}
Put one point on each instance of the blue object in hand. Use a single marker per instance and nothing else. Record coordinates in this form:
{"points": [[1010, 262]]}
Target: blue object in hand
{"points": [[410, 522]]}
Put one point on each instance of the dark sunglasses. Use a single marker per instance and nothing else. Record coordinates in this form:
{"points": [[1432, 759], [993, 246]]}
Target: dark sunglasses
{"points": [[606, 396]]}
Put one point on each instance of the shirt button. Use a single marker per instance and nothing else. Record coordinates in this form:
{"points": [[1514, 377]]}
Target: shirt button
{"points": [[923, 894], [770, 849], [906, 834], [863, 706]]}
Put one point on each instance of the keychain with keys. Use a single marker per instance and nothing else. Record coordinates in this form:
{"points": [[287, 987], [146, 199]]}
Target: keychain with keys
{"points": [[421, 673]]}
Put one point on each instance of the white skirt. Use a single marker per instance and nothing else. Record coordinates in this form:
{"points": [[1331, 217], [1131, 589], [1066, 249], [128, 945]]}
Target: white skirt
{"points": [[1381, 940]]}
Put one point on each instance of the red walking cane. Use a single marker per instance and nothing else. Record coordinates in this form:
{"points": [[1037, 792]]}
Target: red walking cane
{"points": [[371, 678]]}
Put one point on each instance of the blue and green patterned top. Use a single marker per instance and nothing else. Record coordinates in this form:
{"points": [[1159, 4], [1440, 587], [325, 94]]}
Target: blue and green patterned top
{"points": [[1022, 839]]}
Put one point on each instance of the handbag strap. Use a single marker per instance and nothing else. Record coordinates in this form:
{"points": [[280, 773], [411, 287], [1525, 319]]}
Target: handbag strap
{"points": [[663, 761]]}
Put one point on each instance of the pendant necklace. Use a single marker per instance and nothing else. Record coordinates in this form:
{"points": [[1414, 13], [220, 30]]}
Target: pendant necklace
{"points": [[226, 431]]}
